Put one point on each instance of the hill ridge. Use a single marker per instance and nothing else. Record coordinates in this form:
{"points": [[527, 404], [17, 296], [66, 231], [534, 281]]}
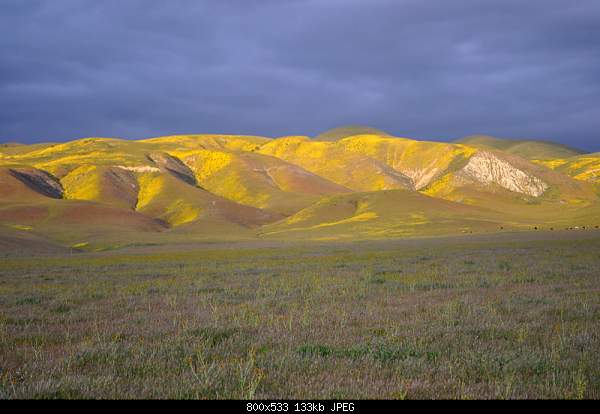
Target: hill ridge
{"points": [[106, 191]]}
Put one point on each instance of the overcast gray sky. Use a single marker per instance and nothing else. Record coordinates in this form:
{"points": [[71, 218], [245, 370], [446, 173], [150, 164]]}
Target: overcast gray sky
{"points": [[417, 68]]}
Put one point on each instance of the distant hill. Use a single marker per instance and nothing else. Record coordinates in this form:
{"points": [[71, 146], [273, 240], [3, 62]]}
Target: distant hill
{"points": [[355, 183], [338, 133], [529, 149]]}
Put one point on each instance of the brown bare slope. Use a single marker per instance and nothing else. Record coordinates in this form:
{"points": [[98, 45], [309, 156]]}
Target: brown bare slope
{"points": [[31, 205], [27, 184], [15, 242]]}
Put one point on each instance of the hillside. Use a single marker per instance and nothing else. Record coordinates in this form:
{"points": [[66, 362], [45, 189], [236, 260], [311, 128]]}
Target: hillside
{"points": [[352, 182], [583, 167], [391, 213], [32, 206], [333, 161], [529, 149], [258, 180]]}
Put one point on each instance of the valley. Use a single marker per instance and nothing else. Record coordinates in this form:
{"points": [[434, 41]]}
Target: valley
{"points": [[505, 316]]}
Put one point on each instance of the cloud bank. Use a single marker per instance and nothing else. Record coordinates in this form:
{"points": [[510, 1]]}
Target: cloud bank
{"points": [[423, 69]]}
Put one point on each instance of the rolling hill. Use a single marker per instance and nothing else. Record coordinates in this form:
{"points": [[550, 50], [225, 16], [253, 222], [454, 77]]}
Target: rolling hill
{"points": [[348, 183], [335, 134], [259, 180], [331, 160], [389, 213], [32, 201], [529, 149]]}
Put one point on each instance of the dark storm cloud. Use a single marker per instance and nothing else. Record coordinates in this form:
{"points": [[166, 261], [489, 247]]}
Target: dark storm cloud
{"points": [[426, 69]]}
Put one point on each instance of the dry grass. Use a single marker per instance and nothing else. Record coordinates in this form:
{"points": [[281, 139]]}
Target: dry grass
{"points": [[446, 318]]}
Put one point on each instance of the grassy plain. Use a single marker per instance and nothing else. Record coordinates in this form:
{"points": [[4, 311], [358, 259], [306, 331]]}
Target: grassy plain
{"points": [[513, 315]]}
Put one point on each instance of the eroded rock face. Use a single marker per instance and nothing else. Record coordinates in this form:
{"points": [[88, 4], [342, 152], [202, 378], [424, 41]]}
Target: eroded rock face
{"points": [[395, 179], [487, 168], [123, 185], [422, 177], [39, 181], [174, 166]]}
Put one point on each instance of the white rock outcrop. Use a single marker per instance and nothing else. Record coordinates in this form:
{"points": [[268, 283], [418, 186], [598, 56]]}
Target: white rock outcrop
{"points": [[487, 168], [423, 176], [139, 169]]}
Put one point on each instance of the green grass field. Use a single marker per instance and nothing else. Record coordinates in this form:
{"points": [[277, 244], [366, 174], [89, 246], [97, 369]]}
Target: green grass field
{"points": [[514, 315]]}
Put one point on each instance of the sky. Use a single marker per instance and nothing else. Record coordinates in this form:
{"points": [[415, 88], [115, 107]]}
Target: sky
{"points": [[436, 70]]}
